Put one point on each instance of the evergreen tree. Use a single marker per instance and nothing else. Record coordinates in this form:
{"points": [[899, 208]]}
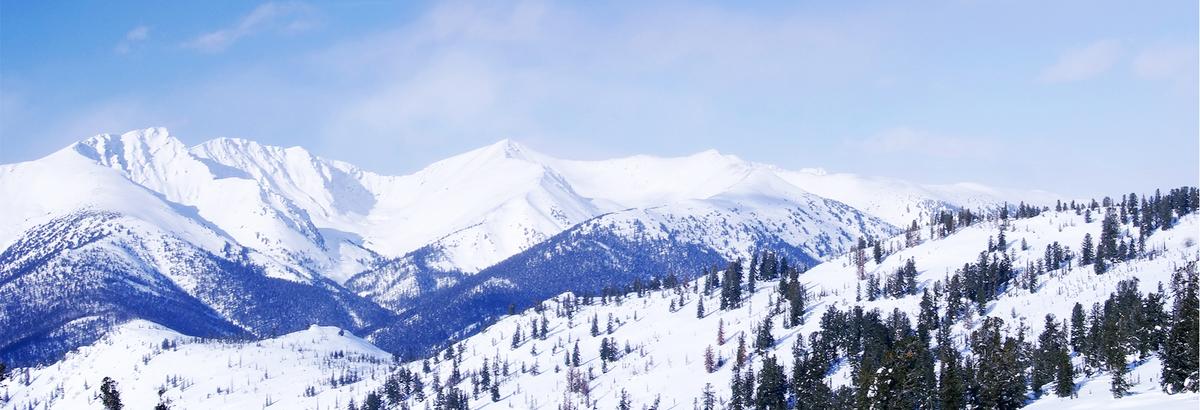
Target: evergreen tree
{"points": [[595, 325], [764, 341], [1120, 382], [1078, 328], [771, 386], [624, 403], [952, 387], [721, 332], [1180, 358], [1047, 359], [905, 378], [797, 297], [1087, 250], [999, 380], [700, 308], [741, 350], [708, 398], [575, 355], [1064, 380], [109, 396], [737, 392], [710, 362], [372, 402]]}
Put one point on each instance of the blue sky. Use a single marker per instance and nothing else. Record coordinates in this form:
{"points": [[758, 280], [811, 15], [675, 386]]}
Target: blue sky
{"points": [[1076, 97]]}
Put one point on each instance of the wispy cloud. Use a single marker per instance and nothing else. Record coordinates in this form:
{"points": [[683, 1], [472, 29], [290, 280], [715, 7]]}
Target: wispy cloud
{"points": [[905, 140], [1166, 63], [1083, 63], [281, 17], [476, 71], [134, 36]]}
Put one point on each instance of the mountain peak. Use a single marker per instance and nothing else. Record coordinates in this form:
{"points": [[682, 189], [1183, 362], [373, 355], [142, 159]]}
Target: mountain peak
{"points": [[113, 150], [507, 148]]}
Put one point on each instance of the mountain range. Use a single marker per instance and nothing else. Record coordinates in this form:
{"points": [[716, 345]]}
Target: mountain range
{"points": [[234, 239]]}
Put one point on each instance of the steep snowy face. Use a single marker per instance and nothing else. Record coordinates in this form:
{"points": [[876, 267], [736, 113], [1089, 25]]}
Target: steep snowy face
{"points": [[331, 192], [238, 206], [476, 208], [479, 207]]}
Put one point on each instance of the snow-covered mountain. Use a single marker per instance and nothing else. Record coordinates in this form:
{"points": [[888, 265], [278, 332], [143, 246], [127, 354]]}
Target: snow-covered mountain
{"points": [[222, 230]]}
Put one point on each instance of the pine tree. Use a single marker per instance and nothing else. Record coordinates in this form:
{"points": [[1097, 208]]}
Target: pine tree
{"points": [[624, 404], [952, 388], [1180, 367], [999, 380], [595, 325], [721, 332], [1052, 347], [796, 299], [741, 351], [1064, 380], [1078, 328], [1087, 250], [710, 362], [1120, 382], [575, 355], [1101, 266], [771, 391], [109, 396], [764, 341], [495, 392], [700, 308], [372, 402], [737, 392], [708, 399]]}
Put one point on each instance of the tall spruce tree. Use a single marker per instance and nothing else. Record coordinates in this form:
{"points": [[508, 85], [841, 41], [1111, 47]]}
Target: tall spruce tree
{"points": [[771, 392], [1180, 358]]}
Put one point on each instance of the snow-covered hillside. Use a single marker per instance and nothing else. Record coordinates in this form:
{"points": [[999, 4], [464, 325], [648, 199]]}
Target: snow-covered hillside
{"points": [[317, 368], [666, 360], [659, 341], [901, 202]]}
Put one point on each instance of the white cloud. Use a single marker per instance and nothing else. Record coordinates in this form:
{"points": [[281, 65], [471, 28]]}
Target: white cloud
{"points": [[1084, 63], [134, 36], [912, 141], [283, 17], [1165, 62]]}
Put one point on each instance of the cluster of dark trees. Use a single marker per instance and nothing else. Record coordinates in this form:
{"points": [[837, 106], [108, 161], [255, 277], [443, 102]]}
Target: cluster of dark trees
{"points": [[894, 362], [899, 284]]}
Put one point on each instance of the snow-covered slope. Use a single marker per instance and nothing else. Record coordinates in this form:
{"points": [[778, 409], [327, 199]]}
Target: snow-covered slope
{"points": [[666, 360], [143, 357], [240, 207], [900, 202]]}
